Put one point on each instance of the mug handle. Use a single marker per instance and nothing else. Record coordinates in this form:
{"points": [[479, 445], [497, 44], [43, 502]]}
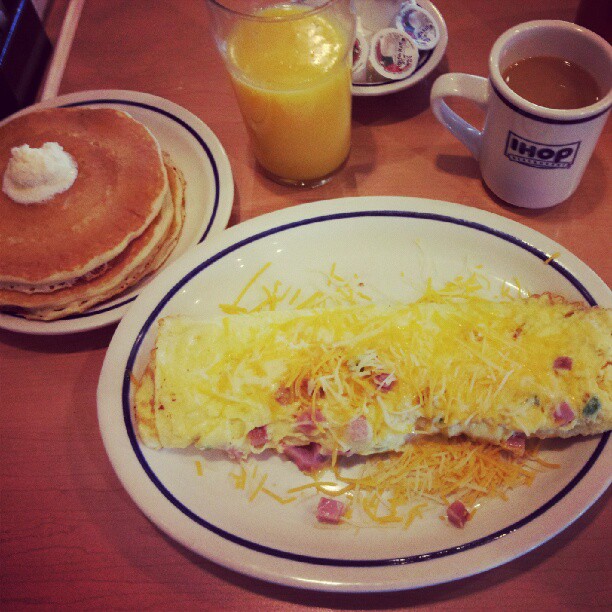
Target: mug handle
{"points": [[460, 85]]}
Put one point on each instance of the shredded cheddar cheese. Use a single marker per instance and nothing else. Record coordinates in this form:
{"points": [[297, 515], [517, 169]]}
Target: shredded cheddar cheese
{"points": [[401, 487], [464, 365], [336, 291], [554, 256], [259, 487]]}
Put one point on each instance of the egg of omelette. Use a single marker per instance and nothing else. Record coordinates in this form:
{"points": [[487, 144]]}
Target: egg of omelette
{"points": [[368, 379]]}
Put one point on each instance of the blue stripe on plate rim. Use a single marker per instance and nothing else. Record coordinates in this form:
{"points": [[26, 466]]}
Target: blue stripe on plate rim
{"points": [[283, 554], [211, 159]]}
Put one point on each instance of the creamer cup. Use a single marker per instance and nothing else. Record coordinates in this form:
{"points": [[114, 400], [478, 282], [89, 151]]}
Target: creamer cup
{"points": [[361, 50], [393, 54], [419, 25]]}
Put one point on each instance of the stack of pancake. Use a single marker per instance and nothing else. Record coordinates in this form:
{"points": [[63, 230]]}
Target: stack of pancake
{"points": [[117, 223]]}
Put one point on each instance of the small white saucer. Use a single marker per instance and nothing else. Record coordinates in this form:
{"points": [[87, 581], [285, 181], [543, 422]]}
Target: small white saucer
{"points": [[428, 60]]}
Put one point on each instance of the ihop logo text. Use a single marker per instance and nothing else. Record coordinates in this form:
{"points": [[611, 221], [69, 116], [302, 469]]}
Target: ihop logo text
{"points": [[540, 155]]}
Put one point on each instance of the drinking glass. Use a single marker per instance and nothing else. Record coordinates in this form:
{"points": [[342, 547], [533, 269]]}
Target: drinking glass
{"points": [[290, 67]]}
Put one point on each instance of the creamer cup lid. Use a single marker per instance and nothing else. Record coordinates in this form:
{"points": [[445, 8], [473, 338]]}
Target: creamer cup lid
{"points": [[419, 25], [393, 54], [361, 48]]}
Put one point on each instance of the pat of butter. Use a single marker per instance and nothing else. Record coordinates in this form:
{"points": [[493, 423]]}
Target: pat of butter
{"points": [[34, 175]]}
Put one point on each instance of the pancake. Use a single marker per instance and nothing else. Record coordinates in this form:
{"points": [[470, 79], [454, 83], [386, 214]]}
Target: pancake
{"points": [[141, 257], [176, 182], [118, 192]]}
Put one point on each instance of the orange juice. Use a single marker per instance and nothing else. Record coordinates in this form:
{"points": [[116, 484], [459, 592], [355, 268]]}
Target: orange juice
{"points": [[292, 79]]}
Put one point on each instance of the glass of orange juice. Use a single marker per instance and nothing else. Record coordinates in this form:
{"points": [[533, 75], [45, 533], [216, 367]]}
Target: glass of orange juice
{"points": [[290, 66]]}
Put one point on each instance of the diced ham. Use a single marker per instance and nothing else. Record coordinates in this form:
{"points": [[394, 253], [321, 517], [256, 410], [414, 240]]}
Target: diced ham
{"points": [[385, 381], [234, 454], [563, 414], [283, 396], [563, 363], [330, 510], [304, 422], [457, 514], [258, 436], [359, 430], [308, 458], [307, 387], [516, 443]]}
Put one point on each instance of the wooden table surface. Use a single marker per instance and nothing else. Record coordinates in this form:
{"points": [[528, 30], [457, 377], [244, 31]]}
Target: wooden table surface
{"points": [[71, 537]]}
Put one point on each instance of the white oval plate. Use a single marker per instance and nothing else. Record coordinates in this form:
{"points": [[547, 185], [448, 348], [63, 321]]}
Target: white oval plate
{"points": [[428, 60], [209, 194], [394, 244]]}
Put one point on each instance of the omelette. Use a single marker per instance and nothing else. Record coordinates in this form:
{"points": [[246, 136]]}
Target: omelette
{"points": [[369, 379]]}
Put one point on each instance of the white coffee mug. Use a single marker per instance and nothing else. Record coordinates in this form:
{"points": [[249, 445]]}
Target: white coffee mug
{"points": [[529, 155]]}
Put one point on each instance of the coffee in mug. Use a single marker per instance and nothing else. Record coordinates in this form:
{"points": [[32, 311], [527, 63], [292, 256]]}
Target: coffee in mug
{"points": [[552, 82], [534, 147]]}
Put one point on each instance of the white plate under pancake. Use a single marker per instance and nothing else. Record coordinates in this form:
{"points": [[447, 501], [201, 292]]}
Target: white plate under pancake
{"points": [[209, 196]]}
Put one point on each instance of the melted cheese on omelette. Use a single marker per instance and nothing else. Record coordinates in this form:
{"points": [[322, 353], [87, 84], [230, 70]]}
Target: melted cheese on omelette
{"points": [[366, 379]]}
